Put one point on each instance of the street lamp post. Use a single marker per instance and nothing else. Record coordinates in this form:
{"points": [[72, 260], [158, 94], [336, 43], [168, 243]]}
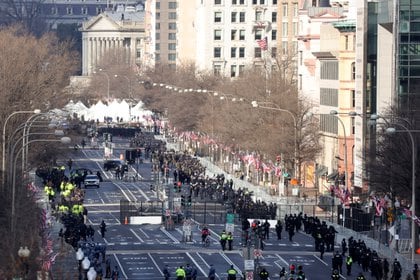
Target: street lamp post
{"points": [[36, 111], [64, 140], [346, 167], [257, 104], [392, 130]]}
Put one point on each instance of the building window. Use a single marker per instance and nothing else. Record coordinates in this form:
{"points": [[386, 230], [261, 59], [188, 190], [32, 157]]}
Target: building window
{"points": [[241, 69], [172, 36], [353, 98], [257, 53], [254, 2], [273, 35], [353, 127], [233, 71], [241, 52], [295, 28], [172, 5], [217, 70], [262, 2], [217, 2], [258, 15], [233, 17], [233, 34], [329, 70], [171, 57], [284, 47], [157, 57], [353, 71], [217, 52], [234, 2], [98, 10], [54, 10], [241, 35], [258, 34], [157, 36], [157, 5], [241, 2], [274, 2], [346, 42], [218, 17], [138, 54], [284, 30], [241, 16], [172, 26], [328, 123], [69, 10], [172, 46], [328, 97], [157, 25], [295, 10], [172, 15], [84, 10], [285, 9], [233, 52], [274, 17], [217, 35], [300, 81], [273, 52], [158, 16]]}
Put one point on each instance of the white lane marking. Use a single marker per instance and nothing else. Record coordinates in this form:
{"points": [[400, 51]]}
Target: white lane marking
{"points": [[136, 235], [154, 262], [318, 258], [100, 204], [142, 193], [123, 192], [283, 260], [170, 236], [103, 202], [145, 234], [195, 263], [230, 262], [121, 268], [204, 261]]}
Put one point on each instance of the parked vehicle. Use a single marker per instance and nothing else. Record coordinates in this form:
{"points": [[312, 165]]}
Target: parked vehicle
{"points": [[112, 164]]}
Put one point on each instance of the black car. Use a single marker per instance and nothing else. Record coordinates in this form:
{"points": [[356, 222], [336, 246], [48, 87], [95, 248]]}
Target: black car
{"points": [[114, 163]]}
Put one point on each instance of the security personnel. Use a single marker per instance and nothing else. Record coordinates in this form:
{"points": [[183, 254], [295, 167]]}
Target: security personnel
{"points": [[335, 275], [361, 277], [180, 273], [349, 262], [264, 274], [223, 239], [230, 240], [232, 273]]}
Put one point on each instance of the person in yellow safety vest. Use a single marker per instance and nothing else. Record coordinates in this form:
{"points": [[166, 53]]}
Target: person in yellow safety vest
{"points": [[232, 273], [69, 186], [80, 209], [180, 273], [349, 262], [229, 240], [223, 239], [75, 209]]}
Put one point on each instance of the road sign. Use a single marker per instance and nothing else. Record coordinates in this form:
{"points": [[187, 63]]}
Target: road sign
{"points": [[230, 218], [230, 228], [249, 265]]}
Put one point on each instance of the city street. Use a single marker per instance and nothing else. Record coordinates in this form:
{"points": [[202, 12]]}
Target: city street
{"points": [[141, 251]]}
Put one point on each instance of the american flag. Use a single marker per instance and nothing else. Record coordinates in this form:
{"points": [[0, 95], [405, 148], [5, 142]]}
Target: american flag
{"points": [[263, 43]]}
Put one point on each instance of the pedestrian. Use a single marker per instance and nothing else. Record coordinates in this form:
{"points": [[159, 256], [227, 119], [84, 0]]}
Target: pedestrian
{"points": [[321, 249], [212, 273], [349, 262], [108, 268], [279, 229], [231, 273], [102, 227], [416, 272], [291, 231], [188, 272], [194, 274], [386, 268], [283, 273], [337, 262], [396, 270], [343, 247], [180, 273], [230, 241], [166, 272], [264, 274], [266, 227], [223, 239], [115, 273]]}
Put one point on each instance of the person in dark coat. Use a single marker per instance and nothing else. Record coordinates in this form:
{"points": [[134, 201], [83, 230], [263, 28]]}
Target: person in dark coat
{"points": [[279, 229]]}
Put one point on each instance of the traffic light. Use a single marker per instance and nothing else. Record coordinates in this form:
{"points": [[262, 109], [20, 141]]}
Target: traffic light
{"points": [[179, 184], [175, 187], [189, 202], [182, 200]]}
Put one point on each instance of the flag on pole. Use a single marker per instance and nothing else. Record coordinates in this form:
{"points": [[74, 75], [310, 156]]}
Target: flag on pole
{"points": [[263, 43]]}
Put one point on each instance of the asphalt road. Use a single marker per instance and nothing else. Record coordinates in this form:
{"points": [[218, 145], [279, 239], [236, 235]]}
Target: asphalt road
{"points": [[141, 251]]}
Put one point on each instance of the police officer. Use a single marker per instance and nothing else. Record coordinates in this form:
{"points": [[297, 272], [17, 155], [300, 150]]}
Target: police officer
{"points": [[223, 239], [337, 261], [279, 229], [212, 273], [264, 274], [361, 277], [335, 275], [103, 228], [396, 271], [321, 249], [232, 273], [349, 262], [166, 272], [180, 273], [230, 240]]}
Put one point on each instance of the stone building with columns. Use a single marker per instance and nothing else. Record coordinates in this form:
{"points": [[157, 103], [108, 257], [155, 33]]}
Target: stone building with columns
{"points": [[115, 32]]}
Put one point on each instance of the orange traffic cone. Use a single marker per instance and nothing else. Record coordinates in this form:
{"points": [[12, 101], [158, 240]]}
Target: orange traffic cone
{"points": [[126, 221]]}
